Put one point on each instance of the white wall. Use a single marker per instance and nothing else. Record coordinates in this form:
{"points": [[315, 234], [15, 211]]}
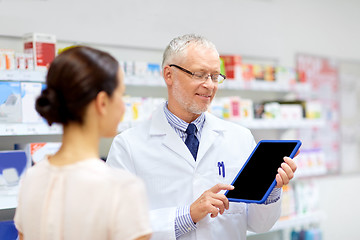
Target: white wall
{"points": [[267, 28], [338, 200], [273, 29]]}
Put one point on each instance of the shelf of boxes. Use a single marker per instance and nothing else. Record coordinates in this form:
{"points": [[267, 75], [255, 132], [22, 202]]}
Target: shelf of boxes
{"points": [[295, 222], [143, 81], [265, 86], [8, 197], [8, 129], [299, 207], [15, 129], [280, 124], [22, 75], [22, 126]]}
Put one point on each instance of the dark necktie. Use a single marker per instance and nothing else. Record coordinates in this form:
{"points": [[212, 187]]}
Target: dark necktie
{"points": [[191, 141]]}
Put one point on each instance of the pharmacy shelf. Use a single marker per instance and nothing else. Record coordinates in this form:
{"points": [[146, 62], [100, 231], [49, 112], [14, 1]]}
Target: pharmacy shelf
{"points": [[265, 124], [143, 81], [280, 123], [298, 221], [149, 80], [8, 197], [14, 129], [295, 221], [22, 75], [264, 86]]}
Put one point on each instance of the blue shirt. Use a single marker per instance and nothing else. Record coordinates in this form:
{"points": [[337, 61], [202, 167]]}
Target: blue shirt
{"points": [[183, 221]]}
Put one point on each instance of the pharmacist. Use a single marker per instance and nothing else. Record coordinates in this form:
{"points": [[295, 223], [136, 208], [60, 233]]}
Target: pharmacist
{"points": [[178, 150]]}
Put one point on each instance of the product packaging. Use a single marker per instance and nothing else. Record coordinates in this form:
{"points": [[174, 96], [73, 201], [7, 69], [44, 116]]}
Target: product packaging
{"points": [[269, 73], [259, 72], [291, 112], [285, 75], [37, 151], [12, 165], [10, 102], [247, 109], [20, 62], [29, 93], [232, 66], [42, 47], [7, 59], [247, 72], [235, 107]]}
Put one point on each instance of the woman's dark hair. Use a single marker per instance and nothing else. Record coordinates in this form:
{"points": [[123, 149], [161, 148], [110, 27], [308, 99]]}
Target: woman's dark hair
{"points": [[74, 79]]}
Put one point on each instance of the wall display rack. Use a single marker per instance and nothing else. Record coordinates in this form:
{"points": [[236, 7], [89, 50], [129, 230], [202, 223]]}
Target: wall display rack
{"points": [[139, 83], [137, 87]]}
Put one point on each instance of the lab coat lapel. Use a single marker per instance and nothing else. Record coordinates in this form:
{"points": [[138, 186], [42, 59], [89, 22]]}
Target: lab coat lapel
{"points": [[210, 132], [160, 126]]}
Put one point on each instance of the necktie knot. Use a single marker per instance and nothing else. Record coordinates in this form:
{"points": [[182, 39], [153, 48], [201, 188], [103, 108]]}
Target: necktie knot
{"points": [[191, 129]]}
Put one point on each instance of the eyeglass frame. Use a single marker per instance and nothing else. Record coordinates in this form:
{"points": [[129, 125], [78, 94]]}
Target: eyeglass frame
{"points": [[193, 74]]}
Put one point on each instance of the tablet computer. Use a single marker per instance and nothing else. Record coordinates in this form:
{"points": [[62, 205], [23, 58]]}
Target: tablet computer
{"points": [[256, 179]]}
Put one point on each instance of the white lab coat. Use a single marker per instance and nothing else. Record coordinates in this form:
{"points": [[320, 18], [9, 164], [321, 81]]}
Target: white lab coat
{"points": [[154, 152]]}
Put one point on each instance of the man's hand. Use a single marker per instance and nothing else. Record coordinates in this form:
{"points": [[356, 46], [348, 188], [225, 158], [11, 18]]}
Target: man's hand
{"points": [[286, 172], [210, 202]]}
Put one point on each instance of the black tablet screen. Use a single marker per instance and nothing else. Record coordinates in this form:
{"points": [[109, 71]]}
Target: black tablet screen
{"points": [[260, 171]]}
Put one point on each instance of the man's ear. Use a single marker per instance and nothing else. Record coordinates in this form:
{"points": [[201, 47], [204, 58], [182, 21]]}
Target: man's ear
{"points": [[101, 102], [168, 75]]}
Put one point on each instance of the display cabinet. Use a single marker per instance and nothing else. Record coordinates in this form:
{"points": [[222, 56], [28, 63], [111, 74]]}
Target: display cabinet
{"points": [[140, 87]]}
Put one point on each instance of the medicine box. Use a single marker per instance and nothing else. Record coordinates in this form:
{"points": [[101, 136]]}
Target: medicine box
{"points": [[42, 47], [20, 61], [29, 93], [259, 72], [37, 151], [7, 59], [13, 159], [247, 72], [10, 102], [233, 67]]}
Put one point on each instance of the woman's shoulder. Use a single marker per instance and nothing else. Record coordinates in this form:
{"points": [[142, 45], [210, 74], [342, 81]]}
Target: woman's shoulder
{"points": [[113, 175]]}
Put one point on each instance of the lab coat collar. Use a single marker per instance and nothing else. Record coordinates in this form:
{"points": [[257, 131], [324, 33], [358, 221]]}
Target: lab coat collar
{"points": [[212, 129], [160, 126]]}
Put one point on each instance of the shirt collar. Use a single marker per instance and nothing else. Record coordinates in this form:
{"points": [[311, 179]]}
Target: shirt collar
{"points": [[180, 124]]}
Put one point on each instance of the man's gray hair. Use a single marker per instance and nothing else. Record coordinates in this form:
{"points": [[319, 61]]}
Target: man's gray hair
{"points": [[178, 46]]}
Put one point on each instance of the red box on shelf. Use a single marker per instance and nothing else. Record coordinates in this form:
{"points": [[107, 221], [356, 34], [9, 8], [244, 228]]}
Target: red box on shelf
{"points": [[42, 47], [247, 72], [232, 66]]}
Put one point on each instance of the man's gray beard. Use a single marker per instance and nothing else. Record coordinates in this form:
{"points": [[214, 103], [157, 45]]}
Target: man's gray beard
{"points": [[193, 108]]}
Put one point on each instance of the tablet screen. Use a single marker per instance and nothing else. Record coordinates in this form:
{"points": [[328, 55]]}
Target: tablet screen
{"points": [[257, 176]]}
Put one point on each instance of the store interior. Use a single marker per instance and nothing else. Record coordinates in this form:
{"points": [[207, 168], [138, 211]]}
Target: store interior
{"points": [[278, 33]]}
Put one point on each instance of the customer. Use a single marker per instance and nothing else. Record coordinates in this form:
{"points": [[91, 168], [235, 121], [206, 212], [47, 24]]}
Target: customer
{"points": [[73, 195], [184, 185]]}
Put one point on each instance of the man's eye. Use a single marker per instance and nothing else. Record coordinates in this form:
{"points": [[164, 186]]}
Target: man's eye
{"points": [[199, 74]]}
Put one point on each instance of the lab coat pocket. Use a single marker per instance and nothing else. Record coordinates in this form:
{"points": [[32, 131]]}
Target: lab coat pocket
{"points": [[236, 208], [225, 174]]}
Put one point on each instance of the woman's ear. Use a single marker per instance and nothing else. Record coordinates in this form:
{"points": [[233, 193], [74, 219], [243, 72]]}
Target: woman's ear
{"points": [[101, 102]]}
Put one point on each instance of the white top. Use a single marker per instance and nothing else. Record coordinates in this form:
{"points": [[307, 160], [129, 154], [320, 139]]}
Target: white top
{"points": [[84, 200]]}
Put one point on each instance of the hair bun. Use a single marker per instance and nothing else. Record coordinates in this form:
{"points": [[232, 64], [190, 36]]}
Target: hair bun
{"points": [[47, 105]]}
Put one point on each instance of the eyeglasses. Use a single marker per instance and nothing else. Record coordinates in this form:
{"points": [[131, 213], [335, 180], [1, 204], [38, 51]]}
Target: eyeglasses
{"points": [[202, 76]]}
